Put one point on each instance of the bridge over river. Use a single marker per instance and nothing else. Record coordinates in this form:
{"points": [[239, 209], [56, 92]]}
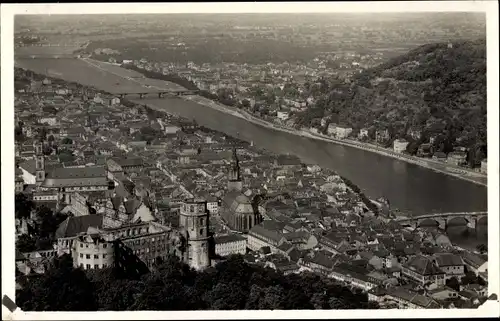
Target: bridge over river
{"points": [[161, 93], [445, 220]]}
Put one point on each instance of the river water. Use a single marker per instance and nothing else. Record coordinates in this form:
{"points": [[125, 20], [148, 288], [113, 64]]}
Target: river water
{"points": [[408, 187]]}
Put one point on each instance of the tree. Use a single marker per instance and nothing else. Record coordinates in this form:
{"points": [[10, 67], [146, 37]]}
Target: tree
{"points": [[412, 148], [25, 243], [47, 150], [18, 134], [245, 103], [66, 141], [469, 278], [60, 288], [23, 206], [65, 156], [51, 138], [453, 283], [42, 134]]}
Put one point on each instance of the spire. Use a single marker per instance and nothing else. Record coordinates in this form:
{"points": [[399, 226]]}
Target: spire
{"points": [[235, 156]]}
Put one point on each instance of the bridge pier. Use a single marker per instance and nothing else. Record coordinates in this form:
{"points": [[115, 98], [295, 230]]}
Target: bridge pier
{"points": [[160, 95], [471, 222]]}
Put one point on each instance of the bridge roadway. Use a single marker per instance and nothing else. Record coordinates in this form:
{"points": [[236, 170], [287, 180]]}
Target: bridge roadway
{"points": [[160, 92], [69, 45], [442, 219]]}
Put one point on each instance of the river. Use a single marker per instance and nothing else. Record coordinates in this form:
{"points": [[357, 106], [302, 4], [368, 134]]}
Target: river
{"points": [[408, 187]]}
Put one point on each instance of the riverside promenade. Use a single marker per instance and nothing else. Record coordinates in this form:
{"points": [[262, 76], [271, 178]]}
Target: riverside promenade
{"points": [[448, 169]]}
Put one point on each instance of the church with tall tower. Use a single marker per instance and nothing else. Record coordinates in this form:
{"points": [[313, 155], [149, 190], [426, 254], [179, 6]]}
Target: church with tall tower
{"points": [[237, 209], [39, 163], [234, 178]]}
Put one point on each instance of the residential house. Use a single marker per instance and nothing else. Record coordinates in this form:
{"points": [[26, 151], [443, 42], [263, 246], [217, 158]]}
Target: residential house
{"points": [[475, 262], [425, 150], [259, 236], [443, 293], [320, 262], [451, 264], [363, 133], [282, 265], [423, 270], [282, 115], [484, 166], [439, 156], [342, 132], [382, 135], [354, 276], [129, 164], [457, 158], [400, 145], [406, 299]]}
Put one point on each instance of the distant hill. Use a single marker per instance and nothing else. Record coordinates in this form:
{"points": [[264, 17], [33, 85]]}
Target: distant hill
{"points": [[437, 88]]}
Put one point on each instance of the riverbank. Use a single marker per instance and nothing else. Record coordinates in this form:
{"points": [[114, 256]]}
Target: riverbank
{"points": [[440, 167], [461, 173]]}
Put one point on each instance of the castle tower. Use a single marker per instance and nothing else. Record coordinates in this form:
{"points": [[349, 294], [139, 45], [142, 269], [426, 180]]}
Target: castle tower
{"points": [[194, 222], [234, 182], [39, 163]]}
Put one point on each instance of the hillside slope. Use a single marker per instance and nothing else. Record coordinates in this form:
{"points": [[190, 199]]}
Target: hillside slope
{"points": [[439, 89]]}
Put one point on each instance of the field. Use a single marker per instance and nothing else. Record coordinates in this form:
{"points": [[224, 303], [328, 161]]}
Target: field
{"points": [[45, 50], [107, 77]]}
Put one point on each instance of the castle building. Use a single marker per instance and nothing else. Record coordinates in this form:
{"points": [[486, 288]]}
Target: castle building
{"points": [[193, 223], [238, 211], [92, 251]]}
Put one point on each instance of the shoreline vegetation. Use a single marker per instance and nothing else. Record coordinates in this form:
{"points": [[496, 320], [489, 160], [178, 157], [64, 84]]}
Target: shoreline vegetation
{"points": [[440, 167]]}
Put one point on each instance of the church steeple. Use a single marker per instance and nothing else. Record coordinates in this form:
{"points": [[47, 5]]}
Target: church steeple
{"points": [[39, 163], [234, 183]]}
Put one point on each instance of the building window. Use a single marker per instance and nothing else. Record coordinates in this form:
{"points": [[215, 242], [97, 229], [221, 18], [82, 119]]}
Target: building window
{"points": [[86, 245], [105, 246], [96, 256], [96, 266], [81, 255], [104, 256], [88, 267], [88, 256], [201, 232]]}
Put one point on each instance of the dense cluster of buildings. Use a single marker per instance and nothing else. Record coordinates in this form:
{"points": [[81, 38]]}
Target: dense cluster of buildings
{"points": [[277, 92], [202, 196]]}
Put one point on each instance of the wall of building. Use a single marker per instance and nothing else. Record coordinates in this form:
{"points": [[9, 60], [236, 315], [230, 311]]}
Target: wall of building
{"points": [[194, 221], [90, 255], [229, 248]]}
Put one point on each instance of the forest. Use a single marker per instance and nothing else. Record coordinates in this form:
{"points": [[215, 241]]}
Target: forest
{"points": [[172, 285], [438, 89]]}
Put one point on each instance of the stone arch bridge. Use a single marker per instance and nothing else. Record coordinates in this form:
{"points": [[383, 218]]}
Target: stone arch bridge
{"points": [[443, 220]]}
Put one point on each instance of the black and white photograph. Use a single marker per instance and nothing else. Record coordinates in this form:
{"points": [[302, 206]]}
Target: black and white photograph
{"points": [[250, 156]]}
